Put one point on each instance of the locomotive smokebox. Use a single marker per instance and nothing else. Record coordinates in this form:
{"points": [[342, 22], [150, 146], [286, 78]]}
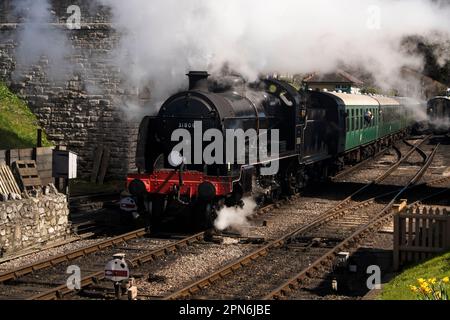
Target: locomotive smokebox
{"points": [[198, 80]]}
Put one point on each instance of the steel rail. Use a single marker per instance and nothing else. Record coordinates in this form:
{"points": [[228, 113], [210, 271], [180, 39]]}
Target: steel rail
{"points": [[62, 290], [52, 261], [241, 262], [326, 260]]}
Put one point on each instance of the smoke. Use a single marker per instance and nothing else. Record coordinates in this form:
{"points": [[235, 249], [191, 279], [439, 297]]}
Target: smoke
{"points": [[235, 217], [163, 39], [40, 41]]}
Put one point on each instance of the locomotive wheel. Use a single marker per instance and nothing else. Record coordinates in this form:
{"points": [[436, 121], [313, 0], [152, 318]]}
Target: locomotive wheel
{"points": [[155, 213], [291, 181], [203, 216], [210, 216]]}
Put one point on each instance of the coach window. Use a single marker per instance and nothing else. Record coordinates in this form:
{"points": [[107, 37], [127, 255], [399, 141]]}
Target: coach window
{"points": [[347, 121], [354, 119], [360, 119], [357, 120]]}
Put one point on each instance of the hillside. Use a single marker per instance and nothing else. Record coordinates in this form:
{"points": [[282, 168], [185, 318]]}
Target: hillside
{"points": [[18, 125]]}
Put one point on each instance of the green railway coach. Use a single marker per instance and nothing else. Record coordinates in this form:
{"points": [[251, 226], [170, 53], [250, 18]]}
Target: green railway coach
{"points": [[362, 124]]}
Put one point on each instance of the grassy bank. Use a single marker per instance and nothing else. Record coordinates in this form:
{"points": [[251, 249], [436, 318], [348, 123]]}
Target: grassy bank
{"points": [[18, 125], [398, 288]]}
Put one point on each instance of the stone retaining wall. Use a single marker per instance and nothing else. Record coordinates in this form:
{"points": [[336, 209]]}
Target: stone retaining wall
{"points": [[30, 222], [85, 105]]}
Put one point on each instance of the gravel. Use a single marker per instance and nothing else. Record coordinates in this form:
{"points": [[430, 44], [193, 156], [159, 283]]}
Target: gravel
{"points": [[173, 273], [47, 253]]}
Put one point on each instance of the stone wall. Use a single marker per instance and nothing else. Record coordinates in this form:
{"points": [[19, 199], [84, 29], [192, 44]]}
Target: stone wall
{"points": [[83, 106], [29, 222]]}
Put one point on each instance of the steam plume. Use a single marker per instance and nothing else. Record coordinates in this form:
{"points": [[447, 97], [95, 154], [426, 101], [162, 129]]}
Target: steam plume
{"points": [[235, 217], [163, 39]]}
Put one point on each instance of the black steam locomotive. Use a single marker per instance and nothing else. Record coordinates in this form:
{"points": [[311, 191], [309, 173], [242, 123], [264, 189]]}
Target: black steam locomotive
{"points": [[317, 134], [438, 111]]}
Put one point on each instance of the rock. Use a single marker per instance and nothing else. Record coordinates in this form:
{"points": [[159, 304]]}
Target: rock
{"points": [[51, 230], [14, 196], [3, 197], [34, 193], [53, 188], [62, 220]]}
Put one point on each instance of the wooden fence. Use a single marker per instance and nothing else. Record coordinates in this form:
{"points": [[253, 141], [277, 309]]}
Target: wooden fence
{"points": [[42, 156], [420, 233]]}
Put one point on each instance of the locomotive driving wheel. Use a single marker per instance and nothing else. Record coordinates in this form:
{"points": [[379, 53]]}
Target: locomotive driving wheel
{"points": [[203, 215], [291, 180]]}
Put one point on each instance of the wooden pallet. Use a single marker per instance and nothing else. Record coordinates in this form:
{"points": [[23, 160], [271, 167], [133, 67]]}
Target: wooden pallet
{"points": [[7, 182], [27, 173]]}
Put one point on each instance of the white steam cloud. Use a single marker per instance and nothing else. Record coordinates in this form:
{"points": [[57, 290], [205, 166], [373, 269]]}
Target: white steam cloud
{"points": [[39, 38], [163, 39], [235, 217]]}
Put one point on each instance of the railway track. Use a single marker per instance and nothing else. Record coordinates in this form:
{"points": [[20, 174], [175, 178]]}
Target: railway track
{"points": [[89, 213], [58, 290], [310, 247], [45, 280]]}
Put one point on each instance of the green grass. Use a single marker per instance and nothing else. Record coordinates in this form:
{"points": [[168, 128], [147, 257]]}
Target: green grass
{"points": [[18, 125], [398, 288]]}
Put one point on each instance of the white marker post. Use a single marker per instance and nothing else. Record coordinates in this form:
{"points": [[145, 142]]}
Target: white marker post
{"points": [[117, 271]]}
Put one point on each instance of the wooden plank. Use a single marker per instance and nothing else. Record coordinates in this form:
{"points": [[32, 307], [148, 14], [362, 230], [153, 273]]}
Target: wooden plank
{"points": [[44, 165], [417, 219], [9, 184], [45, 173], [97, 159], [6, 179], [104, 165], [31, 182], [28, 174], [446, 230], [44, 151], [2, 156], [410, 237], [419, 216], [12, 156], [47, 180], [396, 242], [423, 242], [3, 189], [26, 154], [420, 249], [430, 233], [13, 179]]}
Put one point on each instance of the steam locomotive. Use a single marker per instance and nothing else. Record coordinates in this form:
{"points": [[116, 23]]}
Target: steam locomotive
{"points": [[318, 133], [438, 111]]}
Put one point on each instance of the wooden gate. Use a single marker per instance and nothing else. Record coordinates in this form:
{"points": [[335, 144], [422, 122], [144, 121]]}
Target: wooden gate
{"points": [[420, 233]]}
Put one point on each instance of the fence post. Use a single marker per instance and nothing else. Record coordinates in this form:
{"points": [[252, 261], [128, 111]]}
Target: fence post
{"points": [[39, 138], [396, 240], [447, 231]]}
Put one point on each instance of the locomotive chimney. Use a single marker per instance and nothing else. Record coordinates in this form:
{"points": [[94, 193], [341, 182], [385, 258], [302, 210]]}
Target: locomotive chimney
{"points": [[198, 80]]}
